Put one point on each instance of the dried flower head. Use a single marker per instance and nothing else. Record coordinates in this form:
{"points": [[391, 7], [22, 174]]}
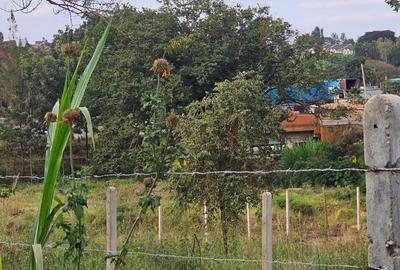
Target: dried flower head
{"points": [[161, 66], [69, 116], [171, 121], [49, 117], [148, 182], [68, 48]]}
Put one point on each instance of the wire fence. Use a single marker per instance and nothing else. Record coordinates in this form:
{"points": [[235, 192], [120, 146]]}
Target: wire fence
{"points": [[208, 173], [211, 259]]}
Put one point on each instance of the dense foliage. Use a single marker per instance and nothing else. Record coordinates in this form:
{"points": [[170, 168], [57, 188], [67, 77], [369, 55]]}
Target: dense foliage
{"points": [[345, 153], [219, 133]]}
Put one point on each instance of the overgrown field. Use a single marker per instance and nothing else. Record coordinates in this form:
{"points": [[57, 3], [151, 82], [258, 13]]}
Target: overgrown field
{"points": [[183, 231]]}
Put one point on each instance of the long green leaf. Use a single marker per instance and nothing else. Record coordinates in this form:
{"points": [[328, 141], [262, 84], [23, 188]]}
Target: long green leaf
{"points": [[59, 135], [89, 124], [38, 256], [84, 80]]}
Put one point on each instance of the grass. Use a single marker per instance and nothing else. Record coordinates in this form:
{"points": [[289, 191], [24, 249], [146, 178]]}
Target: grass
{"points": [[184, 231]]}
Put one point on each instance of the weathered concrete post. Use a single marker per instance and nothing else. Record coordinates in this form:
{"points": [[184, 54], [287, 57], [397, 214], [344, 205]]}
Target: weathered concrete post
{"points": [[382, 150], [266, 234], [111, 225]]}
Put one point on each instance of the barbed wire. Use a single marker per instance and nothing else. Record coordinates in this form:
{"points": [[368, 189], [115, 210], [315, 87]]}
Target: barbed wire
{"points": [[206, 173], [214, 259]]}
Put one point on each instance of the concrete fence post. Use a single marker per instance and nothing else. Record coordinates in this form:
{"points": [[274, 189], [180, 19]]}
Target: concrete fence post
{"points": [[287, 213], [160, 221], [382, 150], [358, 209], [205, 212], [266, 250], [248, 222], [111, 223]]}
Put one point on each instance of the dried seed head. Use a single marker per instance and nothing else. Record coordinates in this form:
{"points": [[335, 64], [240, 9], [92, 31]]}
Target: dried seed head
{"points": [[171, 121], [148, 182], [49, 117], [69, 116], [68, 48], [161, 66]]}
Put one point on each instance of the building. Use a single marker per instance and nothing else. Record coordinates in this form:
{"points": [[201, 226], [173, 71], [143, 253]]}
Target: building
{"points": [[300, 127], [346, 49]]}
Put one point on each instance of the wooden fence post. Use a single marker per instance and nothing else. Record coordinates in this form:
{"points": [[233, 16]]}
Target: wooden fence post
{"points": [[287, 214], [266, 251], [111, 223], [358, 209], [248, 222], [160, 220], [382, 150]]}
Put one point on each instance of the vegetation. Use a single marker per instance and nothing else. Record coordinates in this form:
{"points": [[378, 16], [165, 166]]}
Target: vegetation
{"points": [[249, 120], [60, 122], [345, 153], [184, 230]]}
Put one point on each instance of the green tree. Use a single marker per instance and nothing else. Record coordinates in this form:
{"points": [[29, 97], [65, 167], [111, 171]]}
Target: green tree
{"points": [[219, 133], [385, 47], [395, 4], [372, 36]]}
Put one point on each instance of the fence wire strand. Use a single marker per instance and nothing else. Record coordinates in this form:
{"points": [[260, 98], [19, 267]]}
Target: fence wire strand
{"points": [[215, 259], [207, 173]]}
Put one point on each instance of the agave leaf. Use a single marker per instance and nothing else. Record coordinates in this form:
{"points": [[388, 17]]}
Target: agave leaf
{"points": [[89, 124], [84, 80], [38, 256]]}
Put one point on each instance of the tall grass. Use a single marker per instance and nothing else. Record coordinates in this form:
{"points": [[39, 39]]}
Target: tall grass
{"points": [[58, 135]]}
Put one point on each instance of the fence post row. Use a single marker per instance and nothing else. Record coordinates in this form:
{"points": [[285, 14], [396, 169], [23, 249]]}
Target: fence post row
{"points": [[111, 223], [382, 150], [266, 251]]}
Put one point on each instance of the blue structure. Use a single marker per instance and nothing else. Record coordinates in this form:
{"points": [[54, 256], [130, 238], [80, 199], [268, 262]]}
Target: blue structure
{"points": [[313, 95]]}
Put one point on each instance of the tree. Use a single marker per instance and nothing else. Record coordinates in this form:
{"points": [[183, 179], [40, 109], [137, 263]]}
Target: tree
{"points": [[385, 47], [81, 7], [372, 36], [367, 50], [1, 37], [395, 4], [343, 37], [249, 120], [317, 32], [335, 38], [377, 72]]}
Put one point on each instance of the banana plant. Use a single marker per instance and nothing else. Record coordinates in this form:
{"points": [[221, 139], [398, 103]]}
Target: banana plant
{"points": [[60, 120]]}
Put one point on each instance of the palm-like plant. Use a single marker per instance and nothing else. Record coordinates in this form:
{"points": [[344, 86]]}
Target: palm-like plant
{"points": [[59, 132]]}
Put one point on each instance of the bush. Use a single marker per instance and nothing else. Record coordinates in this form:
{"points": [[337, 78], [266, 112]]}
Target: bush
{"points": [[298, 203], [315, 154]]}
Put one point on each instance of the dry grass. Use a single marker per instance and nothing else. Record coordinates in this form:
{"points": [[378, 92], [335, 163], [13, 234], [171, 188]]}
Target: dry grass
{"points": [[184, 232]]}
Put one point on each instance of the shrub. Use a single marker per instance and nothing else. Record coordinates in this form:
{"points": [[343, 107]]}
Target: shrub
{"points": [[298, 203]]}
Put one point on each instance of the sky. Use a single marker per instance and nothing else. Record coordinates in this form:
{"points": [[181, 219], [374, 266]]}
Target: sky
{"points": [[353, 17]]}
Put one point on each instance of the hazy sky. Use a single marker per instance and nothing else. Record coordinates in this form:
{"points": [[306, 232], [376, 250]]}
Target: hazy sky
{"points": [[354, 17]]}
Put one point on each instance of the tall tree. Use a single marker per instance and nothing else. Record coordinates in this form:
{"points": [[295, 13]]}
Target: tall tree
{"points": [[249, 120], [385, 47], [1, 37], [317, 32]]}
